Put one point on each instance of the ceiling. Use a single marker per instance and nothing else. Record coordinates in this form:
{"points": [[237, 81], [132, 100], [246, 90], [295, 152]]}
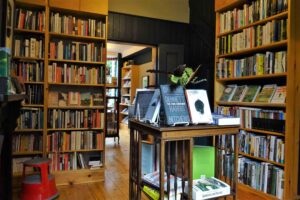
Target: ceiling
{"points": [[125, 49]]}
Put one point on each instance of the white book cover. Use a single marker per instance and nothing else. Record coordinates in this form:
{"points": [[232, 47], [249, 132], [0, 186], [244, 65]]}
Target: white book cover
{"points": [[199, 107]]}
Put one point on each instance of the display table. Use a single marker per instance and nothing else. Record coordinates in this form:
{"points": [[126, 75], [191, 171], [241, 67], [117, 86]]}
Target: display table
{"points": [[175, 147], [9, 111]]}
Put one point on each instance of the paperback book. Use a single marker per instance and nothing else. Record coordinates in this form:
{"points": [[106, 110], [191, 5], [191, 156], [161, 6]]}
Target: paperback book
{"points": [[228, 93], [251, 93], [142, 102], [239, 93], [225, 120], [198, 105], [174, 105], [153, 108], [85, 99], [279, 95], [266, 93]]}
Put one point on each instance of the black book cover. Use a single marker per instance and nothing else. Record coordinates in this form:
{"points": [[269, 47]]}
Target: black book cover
{"points": [[175, 106]]}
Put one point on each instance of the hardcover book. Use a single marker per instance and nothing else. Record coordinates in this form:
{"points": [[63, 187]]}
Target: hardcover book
{"points": [[251, 93], [279, 95], [174, 105], [225, 120], [62, 99], [153, 108], [97, 99], [85, 99], [198, 105], [52, 98], [239, 93], [142, 102], [228, 93], [266, 93], [74, 98]]}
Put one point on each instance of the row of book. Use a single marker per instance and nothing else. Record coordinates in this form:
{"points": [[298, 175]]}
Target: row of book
{"points": [[73, 161], [74, 140], [75, 118], [254, 93], [226, 142], [29, 47], [261, 176], [68, 24], [258, 64], [224, 164], [264, 146], [26, 143], [69, 73], [34, 94], [75, 99], [30, 19], [249, 13], [270, 120], [29, 71], [79, 51], [273, 31], [31, 118]]}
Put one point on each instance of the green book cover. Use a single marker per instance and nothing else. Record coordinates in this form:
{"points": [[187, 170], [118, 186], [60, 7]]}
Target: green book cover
{"points": [[203, 161], [251, 93], [4, 61], [228, 92]]}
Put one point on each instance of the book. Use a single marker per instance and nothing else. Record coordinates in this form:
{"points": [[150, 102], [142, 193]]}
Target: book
{"points": [[97, 99], [239, 93], [207, 188], [198, 105], [203, 161], [174, 105], [73, 98], [142, 101], [85, 99], [153, 108], [52, 98], [228, 92], [266, 93], [154, 194], [251, 93], [62, 99], [4, 61], [225, 120], [279, 95], [153, 180]]}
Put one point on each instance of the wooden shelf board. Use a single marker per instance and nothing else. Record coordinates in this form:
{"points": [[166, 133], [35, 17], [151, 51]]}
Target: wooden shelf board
{"points": [[270, 46], [123, 113], [18, 30], [31, 82], [269, 76], [75, 129], [256, 193], [251, 104], [220, 7], [111, 86], [261, 159], [33, 105], [77, 61], [76, 107], [79, 37], [277, 16], [126, 95], [27, 58], [73, 151], [263, 131], [28, 130], [12, 97], [129, 78], [77, 84], [27, 153]]}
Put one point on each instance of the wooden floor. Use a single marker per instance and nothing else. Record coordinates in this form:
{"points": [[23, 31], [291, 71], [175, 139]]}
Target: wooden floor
{"points": [[116, 184]]}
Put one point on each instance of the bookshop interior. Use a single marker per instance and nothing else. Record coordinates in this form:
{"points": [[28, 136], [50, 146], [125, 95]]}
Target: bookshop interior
{"points": [[149, 99]]}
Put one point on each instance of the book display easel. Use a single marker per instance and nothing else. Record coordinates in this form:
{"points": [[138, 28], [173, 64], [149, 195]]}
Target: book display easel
{"points": [[60, 53], [255, 46], [129, 83]]}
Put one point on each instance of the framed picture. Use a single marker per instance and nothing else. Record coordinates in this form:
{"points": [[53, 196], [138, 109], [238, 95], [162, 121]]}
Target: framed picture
{"points": [[145, 81]]}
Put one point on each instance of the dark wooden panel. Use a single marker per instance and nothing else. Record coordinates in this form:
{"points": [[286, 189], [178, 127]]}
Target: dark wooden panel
{"points": [[3, 4]]}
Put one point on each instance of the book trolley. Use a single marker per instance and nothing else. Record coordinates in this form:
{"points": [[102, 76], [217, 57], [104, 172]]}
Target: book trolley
{"points": [[182, 146]]}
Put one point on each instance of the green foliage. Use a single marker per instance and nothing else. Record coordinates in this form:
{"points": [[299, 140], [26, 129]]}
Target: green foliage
{"points": [[184, 77]]}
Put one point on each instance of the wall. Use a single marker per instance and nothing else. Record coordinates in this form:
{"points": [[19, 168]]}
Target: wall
{"points": [[173, 10], [144, 67]]}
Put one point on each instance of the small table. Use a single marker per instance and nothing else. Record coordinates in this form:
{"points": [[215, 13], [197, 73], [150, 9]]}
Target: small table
{"points": [[182, 160]]}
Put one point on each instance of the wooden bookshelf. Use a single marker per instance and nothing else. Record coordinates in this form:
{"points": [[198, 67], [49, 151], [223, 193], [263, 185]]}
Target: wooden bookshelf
{"points": [[97, 11], [290, 78]]}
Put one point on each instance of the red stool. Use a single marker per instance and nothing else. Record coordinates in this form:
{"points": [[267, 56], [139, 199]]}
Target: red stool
{"points": [[38, 186]]}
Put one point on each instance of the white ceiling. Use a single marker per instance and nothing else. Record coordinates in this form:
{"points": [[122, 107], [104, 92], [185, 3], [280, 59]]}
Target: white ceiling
{"points": [[125, 49]]}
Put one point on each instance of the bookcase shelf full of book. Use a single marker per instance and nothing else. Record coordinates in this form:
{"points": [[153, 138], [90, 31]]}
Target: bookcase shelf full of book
{"points": [[77, 61], [77, 84]]}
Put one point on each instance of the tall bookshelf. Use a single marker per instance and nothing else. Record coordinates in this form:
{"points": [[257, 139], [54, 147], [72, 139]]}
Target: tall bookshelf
{"points": [[129, 83], [72, 83], [232, 25]]}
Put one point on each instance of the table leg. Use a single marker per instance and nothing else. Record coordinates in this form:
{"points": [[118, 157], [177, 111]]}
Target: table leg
{"points": [[190, 173], [235, 172], [139, 163], [131, 164], [162, 168]]}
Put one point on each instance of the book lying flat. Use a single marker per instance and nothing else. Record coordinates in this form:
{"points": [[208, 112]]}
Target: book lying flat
{"points": [[225, 120]]}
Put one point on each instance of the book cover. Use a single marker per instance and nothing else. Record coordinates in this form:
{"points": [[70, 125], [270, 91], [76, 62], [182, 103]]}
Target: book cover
{"points": [[142, 102], [4, 61], [153, 180], [266, 93], [85, 99], [251, 93], [153, 108], [52, 98], [203, 161], [174, 104], [73, 98], [239, 93], [228, 92], [199, 107], [279, 95], [97, 99], [62, 99], [207, 188]]}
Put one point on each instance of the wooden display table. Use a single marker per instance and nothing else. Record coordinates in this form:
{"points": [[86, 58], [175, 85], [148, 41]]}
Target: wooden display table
{"points": [[180, 160]]}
